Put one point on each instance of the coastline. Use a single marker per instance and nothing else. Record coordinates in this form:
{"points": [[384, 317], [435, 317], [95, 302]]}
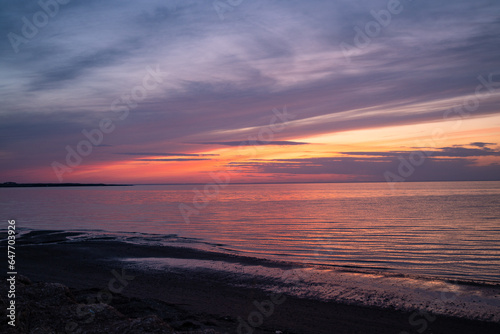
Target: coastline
{"points": [[204, 299], [38, 185]]}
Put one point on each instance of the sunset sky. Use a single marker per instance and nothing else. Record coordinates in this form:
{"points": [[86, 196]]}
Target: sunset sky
{"points": [[264, 91]]}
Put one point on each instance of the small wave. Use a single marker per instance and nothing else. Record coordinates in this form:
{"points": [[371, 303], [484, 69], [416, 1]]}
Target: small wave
{"points": [[326, 284]]}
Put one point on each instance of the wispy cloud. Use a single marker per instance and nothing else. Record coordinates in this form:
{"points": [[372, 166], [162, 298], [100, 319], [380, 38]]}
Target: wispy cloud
{"points": [[481, 144], [179, 159], [454, 151], [372, 168], [254, 142], [222, 77], [166, 154]]}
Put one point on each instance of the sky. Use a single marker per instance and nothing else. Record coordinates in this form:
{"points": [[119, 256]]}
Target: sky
{"points": [[187, 91]]}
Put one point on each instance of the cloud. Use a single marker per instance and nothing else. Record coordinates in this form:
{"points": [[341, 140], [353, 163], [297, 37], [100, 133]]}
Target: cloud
{"points": [[223, 78], [455, 151], [481, 144], [373, 169], [167, 154], [179, 159], [254, 143], [80, 65]]}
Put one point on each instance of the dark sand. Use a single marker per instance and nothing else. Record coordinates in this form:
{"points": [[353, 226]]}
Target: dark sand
{"points": [[190, 301]]}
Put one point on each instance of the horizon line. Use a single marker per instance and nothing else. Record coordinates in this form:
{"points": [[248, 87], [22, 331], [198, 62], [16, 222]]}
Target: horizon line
{"points": [[236, 183]]}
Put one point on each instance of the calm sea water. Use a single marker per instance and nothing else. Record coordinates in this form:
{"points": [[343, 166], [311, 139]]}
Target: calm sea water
{"points": [[439, 229]]}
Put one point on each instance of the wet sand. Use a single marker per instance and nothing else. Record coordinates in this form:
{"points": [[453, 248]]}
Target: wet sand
{"points": [[190, 301]]}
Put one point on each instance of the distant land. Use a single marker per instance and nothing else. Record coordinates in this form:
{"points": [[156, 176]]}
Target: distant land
{"points": [[14, 184]]}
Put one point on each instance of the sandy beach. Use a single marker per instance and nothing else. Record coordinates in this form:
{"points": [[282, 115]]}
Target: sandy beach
{"points": [[186, 301]]}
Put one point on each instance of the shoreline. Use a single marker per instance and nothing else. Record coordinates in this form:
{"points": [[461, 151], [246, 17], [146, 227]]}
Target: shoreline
{"points": [[205, 298]]}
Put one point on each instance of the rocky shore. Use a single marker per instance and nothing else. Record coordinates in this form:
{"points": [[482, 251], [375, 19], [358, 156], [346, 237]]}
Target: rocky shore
{"points": [[43, 308], [85, 287]]}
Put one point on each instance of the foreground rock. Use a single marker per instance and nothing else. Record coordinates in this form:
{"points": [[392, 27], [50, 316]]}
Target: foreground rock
{"points": [[53, 308]]}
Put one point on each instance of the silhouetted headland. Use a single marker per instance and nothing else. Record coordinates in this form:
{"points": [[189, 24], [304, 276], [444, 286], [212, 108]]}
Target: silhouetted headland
{"points": [[14, 184]]}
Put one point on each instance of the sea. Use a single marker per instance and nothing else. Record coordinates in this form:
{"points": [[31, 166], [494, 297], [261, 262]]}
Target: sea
{"points": [[432, 246]]}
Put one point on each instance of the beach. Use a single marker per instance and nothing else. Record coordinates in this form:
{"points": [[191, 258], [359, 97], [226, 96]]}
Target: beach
{"points": [[190, 299], [250, 167]]}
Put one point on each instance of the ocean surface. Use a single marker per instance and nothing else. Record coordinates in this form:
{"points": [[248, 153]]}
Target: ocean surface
{"points": [[432, 245]]}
